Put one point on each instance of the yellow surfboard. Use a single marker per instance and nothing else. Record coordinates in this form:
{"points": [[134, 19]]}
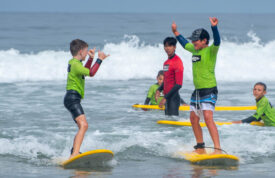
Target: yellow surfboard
{"points": [[209, 158], [89, 159], [187, 108], [202, 124]]}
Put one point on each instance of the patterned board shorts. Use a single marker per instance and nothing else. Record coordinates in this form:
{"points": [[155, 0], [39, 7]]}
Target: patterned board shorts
{"points": [[204, 99]]}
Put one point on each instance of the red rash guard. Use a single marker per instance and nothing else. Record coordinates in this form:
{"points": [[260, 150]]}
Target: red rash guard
{"points": [[173, 73], [95, 67]]}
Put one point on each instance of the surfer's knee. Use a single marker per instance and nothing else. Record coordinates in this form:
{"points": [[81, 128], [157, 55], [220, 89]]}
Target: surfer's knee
{"points": [[208, 115], [82, 122], [84, 125], [194, 117]]}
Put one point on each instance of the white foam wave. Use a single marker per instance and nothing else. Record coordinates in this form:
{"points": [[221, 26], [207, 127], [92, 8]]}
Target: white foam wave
{"points": [[164, 143], [131, 59]]}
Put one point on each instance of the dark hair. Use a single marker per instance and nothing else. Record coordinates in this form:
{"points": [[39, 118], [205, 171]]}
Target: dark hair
{"points": [[205, 35], [77, 45], [262, 84], [170, 41], [161, 72]]}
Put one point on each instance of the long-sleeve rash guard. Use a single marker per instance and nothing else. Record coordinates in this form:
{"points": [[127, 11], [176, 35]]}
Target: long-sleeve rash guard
{"points": [[173, 76], [203, 61], [77, 73]]}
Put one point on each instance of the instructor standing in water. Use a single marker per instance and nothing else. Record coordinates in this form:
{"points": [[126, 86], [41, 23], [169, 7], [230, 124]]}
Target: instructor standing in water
{"points": [[204, 97], [173, 76]]}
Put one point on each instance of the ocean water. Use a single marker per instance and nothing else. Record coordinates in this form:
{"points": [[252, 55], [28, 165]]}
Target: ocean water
{"points": [[36, 131]]}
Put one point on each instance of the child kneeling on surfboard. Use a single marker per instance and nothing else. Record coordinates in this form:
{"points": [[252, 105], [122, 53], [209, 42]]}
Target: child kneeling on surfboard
{"points": [[204, 97], [76, 84], [265, 111], [151, 99]]}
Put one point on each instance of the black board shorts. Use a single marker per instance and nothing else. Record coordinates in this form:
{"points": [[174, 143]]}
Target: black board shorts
{"points": [[72, 101], [172, 105]]}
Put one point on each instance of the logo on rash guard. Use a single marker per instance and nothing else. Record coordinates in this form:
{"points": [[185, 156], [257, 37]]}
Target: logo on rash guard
{"points": [[166, 67], [196, 58]]}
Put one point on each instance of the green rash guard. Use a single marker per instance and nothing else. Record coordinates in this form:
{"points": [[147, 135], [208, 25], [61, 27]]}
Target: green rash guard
{"points": [[265, 111], [204, 62], [76, 76], [151, 94]]}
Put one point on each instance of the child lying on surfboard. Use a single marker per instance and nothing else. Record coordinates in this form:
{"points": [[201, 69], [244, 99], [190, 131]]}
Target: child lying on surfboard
{"points": [[150, 99], [265, 111]]}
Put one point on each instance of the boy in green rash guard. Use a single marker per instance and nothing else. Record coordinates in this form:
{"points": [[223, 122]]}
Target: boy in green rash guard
{"points": [[76, 84], [152, 91], [151, 95], [265, 111], [204, 97]]}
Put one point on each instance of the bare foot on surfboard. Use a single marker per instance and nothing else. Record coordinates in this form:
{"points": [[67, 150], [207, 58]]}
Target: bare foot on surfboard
{"points": [[73, 155], [200, 151], [217, 152]]}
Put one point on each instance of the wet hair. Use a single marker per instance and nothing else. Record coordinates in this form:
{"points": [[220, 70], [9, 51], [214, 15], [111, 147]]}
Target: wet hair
{"points": [[262, 84], [205, 35], [77, 45], [170, 41], [161, 72]]}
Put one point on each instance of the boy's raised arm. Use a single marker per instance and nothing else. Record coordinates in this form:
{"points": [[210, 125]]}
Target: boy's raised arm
{"points": [[174, 29], [91, 53], [179, 37], [101, 57], [214, 22]]}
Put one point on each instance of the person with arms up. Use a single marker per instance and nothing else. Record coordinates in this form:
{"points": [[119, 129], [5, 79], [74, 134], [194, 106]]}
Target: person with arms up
{"points": [[204, 97]]}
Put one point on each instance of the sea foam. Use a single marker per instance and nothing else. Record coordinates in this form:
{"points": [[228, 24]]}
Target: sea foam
{"points": [[132, 59]]}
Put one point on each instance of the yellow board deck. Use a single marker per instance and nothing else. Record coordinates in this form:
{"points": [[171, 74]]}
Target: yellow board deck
{"points": [[187, 108], [209, 159], [202, 124], [89, 159]]}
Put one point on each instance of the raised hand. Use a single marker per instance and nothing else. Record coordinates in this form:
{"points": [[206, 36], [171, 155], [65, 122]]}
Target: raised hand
{"points": [[91, 53], [174, 29], [102, 55], [214, 21]]}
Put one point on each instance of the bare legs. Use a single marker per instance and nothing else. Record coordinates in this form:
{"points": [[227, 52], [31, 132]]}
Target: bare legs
{"points": [[82, 126], [213, 131]]}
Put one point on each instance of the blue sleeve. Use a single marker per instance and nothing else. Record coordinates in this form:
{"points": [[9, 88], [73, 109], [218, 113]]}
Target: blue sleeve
{"points": [[182, 40], [216, 35]]}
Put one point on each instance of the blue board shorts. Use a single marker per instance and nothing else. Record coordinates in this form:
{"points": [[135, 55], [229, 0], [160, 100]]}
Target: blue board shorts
{"points": [[204, 99], [72, 101]]}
